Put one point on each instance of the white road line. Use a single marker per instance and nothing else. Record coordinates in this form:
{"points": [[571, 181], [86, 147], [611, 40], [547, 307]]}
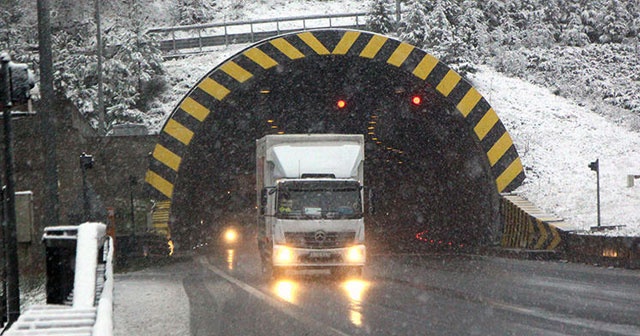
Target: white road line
{"points": [[620, 329], [282, 306]]}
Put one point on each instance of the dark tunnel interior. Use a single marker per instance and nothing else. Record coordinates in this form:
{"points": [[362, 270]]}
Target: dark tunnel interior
{"points": [[429, 183]]}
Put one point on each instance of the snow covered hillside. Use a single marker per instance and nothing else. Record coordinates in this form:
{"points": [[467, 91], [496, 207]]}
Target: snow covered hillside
{"points": [[557, 138]]}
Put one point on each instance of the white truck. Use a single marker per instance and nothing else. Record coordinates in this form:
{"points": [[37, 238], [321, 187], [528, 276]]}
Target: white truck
{"points": [[310, 202]]}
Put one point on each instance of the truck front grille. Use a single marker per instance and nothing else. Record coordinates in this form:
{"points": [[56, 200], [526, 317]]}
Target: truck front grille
{"points": [[320, 239]]}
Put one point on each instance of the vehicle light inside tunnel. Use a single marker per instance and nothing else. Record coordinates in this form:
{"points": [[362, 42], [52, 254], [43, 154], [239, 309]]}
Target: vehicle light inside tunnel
{"points": [[341, 103], [416, 100], [609, 252], [423, 236], [230, 236]]}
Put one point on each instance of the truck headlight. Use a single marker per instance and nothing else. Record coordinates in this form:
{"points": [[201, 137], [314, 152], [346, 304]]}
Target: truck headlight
{"points": [[356, 254], [282, 254]]}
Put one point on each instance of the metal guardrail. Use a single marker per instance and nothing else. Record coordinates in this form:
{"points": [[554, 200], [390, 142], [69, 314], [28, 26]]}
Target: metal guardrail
{"points": [[195, 38]]}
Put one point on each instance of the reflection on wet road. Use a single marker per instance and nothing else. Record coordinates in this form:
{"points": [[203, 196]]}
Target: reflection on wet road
{"points": [[413, 295]]}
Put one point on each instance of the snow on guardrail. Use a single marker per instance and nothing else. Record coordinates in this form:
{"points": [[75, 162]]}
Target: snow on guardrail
{"points": [[82, 317]]}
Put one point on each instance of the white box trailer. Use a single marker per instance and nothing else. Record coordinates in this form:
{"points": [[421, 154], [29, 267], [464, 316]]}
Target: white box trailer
{"points": [[310, 202]]}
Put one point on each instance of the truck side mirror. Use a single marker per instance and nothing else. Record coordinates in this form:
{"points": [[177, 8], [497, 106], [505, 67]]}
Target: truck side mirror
{"points": [[263, 200], [371, 198]]}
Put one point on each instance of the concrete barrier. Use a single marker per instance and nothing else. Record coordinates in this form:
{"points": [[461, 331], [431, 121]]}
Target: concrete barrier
{"points": [[92, 281], [529, 231], [604, 250]]}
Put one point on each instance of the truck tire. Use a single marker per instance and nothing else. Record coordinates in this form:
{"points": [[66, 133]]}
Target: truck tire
{"points": [[277, 272], [267, 271]]}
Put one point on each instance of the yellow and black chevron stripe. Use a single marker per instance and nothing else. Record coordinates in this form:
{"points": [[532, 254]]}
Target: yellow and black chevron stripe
{"points": [[525, 227], [216, 88], [160, 218]]}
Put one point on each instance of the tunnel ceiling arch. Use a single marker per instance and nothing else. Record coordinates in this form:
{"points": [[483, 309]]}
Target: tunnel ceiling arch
{"points": [[212, 92]]}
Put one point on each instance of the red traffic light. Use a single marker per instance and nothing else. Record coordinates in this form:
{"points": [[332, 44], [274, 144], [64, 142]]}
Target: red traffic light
{"points": [[416, 100], [341, 103]]}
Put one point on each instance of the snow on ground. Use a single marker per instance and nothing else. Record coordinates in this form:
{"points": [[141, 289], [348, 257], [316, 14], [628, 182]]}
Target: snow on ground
{"points": [[161, 305], [557, 138]]}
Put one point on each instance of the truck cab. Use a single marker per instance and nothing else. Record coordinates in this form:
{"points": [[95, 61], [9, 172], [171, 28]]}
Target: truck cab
{"points": [[313, 217]]}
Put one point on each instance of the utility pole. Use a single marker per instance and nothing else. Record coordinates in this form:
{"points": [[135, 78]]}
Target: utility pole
{"points": [[102, 129], [398, 10], [595, 166], [11, 239], [86, 162], [132, 184], [47, 122]]}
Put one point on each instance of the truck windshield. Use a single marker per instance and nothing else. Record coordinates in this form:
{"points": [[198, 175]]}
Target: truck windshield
{"points": [[319, 199]]}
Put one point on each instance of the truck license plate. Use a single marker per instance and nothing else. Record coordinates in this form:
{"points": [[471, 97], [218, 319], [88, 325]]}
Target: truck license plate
{"points": [[320, 255]]}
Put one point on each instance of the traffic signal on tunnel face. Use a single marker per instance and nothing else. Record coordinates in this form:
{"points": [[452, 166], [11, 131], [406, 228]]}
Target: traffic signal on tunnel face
{"points": [[416, 100], [20, 82]]}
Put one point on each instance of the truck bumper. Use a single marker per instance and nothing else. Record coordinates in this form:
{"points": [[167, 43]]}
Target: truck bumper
{"points": [[286, 256]]}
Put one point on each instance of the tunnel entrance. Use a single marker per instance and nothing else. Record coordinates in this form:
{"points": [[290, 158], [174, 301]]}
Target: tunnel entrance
{"points": [[433, 168]]}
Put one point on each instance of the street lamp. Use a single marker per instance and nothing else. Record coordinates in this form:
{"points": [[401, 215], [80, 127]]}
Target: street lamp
{"points": [[132, 184], [595, 166], [86, 162]]}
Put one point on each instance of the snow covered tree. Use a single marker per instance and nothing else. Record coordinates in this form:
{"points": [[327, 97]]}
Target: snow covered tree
{"points": [[11, 12], [195, 11], [589, 18], [413, 28], [614, 23], [132, 68], [494, 12], [74, 70], [574, 33], [439, 30], [17, 33], [441, 39], [379, 17], [134, 65], [472, 28]]}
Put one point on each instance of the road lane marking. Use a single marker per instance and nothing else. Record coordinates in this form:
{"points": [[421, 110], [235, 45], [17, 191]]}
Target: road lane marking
{"points": [[597, 325], [614, 328], [282, 306]]}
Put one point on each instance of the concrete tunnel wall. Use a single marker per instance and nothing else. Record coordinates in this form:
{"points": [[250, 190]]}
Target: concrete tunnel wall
{"points": [[202, 113]]}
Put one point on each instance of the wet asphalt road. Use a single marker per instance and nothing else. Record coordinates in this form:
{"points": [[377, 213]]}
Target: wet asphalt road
{"points": [[412, 295]]}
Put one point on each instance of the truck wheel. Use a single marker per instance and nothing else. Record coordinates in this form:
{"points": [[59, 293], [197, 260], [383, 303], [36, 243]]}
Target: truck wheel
{"points": [[267, 271]]}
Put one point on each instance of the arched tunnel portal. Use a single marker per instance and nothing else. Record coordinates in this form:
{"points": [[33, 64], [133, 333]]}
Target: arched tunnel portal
{"points": [[434, 168]]}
